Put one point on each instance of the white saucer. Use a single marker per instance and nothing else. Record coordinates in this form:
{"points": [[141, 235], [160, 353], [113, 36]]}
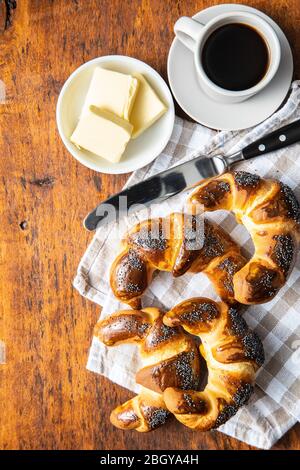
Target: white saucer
{"points": [[193, 100], [139, 152]]}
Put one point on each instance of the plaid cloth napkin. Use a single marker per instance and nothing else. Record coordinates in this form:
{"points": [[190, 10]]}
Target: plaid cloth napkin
{"points": [[275, 406]]}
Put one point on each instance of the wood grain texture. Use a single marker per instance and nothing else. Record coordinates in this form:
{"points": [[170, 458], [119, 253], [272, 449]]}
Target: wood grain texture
{"points": [[47, 398]]}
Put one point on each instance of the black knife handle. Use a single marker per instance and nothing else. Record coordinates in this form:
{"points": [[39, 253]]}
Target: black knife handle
{"points": [[278, 139]]}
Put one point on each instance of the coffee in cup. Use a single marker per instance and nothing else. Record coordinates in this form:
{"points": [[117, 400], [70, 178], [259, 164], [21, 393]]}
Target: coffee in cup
{"points": [[235, 57], [236, 54]]}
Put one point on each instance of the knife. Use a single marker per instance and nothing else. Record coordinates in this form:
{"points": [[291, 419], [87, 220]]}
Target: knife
{"points": [[163, 185]]}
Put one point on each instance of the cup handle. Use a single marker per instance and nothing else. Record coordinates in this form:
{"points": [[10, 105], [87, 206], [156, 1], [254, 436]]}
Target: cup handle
{"points": [[188, 31]]}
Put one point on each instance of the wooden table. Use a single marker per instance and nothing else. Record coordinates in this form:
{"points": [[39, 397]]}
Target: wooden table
{"points": [[48, 400]]}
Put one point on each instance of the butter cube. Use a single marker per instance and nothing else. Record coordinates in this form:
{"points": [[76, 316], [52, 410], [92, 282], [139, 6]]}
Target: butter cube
{"points": [[147, 107], [102, 133], [112, 91]]}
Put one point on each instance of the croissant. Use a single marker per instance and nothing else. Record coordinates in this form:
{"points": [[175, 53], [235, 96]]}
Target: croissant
{"points": [[271, 213], [170, 359], [149, 246], [232, 352]]}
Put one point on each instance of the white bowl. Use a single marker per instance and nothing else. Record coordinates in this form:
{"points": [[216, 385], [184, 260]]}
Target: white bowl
{"points": [[140, 151]]}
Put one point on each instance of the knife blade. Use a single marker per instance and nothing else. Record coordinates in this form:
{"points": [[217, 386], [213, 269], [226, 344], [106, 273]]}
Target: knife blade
{"points": [[157, 188], [168, 183]]}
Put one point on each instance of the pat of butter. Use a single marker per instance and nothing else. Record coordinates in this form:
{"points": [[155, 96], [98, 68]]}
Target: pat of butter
{"points": [[147, 107], [102, 133], [112, 91]]}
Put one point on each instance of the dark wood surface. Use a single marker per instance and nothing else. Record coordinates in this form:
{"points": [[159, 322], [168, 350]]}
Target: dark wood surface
{"points": [[48, 400]]}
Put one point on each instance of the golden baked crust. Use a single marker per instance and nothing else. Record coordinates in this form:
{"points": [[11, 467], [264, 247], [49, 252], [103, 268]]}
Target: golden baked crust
{"points": [[149, 246], [170, 358], [170, 376], [232, 352], [271, 213]]}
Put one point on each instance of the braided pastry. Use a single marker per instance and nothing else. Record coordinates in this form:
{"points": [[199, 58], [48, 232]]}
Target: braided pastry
{"points": [[271, 214], [147, 247], [233, 353], [170, 359]]}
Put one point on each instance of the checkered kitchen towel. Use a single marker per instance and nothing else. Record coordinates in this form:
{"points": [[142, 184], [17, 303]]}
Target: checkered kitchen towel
{"points": [[275, 406]]}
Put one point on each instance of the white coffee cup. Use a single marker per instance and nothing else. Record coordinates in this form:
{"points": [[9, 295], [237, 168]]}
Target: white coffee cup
{"points": [[194, 35]]}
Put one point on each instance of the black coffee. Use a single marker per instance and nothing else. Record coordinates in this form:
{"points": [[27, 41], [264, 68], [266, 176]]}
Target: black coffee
{"points": [[235, 57]]}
